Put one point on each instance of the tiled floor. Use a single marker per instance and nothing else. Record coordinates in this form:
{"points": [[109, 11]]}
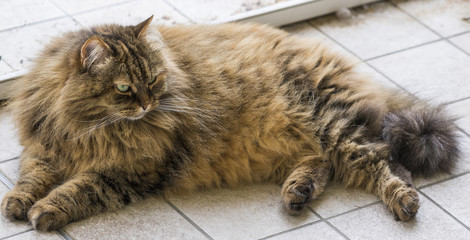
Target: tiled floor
{"points": [[422, 46]]}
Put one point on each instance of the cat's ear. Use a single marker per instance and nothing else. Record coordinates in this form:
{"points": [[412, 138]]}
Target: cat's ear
{"points": [[141, 28], [94, 51]]}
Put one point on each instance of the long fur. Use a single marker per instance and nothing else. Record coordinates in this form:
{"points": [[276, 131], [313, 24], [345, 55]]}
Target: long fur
{"points": [[209, 106], [423, 139]]}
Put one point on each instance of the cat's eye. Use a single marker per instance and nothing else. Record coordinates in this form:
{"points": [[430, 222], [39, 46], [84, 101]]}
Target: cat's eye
{"points": [[122, 88], [154, 79]]}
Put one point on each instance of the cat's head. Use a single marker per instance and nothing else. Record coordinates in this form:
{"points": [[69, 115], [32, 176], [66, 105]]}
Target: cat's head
{"points": [[122, 73]]}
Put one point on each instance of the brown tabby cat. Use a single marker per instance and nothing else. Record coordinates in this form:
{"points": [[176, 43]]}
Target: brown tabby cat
{"points": [[111, 114]]}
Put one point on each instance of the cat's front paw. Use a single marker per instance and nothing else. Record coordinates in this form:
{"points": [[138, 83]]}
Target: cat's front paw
{"points": [[15, 205], [47, 217], [406, 206], [296, 193]]}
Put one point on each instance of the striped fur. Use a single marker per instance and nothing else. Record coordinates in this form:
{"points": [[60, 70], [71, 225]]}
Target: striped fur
{"points": [[206, 106]]}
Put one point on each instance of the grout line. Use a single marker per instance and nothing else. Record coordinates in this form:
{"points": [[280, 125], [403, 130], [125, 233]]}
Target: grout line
{"points": [[456, 101], [103, 7], [291, 230], [34, 23], [405, 49], [8, 160], [329, 224], [458, 34], [362, 60], [178, 11], [430, 29], [16, 234], [64, 234], [443, 209], [187, 218], [444, 180], [355, 209], [66, 13], [6, 181]]}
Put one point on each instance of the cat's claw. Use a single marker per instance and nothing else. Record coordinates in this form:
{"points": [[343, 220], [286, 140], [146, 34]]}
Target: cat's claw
{"points": [[15, 205]]}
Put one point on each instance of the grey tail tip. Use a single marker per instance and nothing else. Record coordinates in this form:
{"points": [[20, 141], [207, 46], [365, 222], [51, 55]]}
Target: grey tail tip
{"points": [[423, 139]]}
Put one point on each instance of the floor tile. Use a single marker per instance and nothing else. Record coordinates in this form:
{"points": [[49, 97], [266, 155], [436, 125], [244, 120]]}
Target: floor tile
{"points": [[149, 219], [462, 111], [377, 222], [453, 195], [7, 227], [4, 68], [320, 231], [204, 11], [11, 169], [36, 235], [364, 68], [462, 166], [22, 44], [20, 12], [337, 199], [248, 212], [376, 30], [444, 16], [305, 30], [462, 41], [437, 71], [10, 146], [75, 6], [132, 13]]}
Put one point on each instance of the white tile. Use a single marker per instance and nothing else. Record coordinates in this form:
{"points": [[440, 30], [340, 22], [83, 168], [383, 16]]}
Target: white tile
{"points": [[337, 199], [75, 6], [36, 235], [20, 45], [305, 30], [462, 111], [437, 71], [248, 212], [16, 13], [444, 16], [377, 222], [149, 219], [4, 68], [9, 147], [376, 30], [11, 169], [375, 76], [453, 195], [7, 227], [463, 41], [320, 231], [132, 13], [205, 11]]}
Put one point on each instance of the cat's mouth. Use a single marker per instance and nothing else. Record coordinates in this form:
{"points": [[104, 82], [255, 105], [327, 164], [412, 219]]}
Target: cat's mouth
{"points": [[137, 117]]}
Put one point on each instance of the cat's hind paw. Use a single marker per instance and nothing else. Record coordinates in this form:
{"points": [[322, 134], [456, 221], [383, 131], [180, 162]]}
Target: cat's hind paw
{"points": [[406, 206], [15, 205]]}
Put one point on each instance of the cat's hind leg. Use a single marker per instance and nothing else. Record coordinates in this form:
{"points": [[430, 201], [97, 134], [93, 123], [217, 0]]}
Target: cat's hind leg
{"points": [[36, 179], [367, 165], [306, 182]]}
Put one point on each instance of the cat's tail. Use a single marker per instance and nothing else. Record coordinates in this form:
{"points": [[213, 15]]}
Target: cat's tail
{"points": [[422, 138]]}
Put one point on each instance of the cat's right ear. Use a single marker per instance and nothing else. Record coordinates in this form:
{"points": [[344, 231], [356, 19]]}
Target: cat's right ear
{"points": [[94, 51]]}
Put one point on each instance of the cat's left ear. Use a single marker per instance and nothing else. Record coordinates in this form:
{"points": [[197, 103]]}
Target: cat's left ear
{"points": [[141, 28]]}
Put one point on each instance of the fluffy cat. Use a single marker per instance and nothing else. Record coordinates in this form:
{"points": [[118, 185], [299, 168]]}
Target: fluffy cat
{"points": [[111, 114]]}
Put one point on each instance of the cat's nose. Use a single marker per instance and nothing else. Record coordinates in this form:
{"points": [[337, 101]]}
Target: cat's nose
{"points": [[145, 106]]}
